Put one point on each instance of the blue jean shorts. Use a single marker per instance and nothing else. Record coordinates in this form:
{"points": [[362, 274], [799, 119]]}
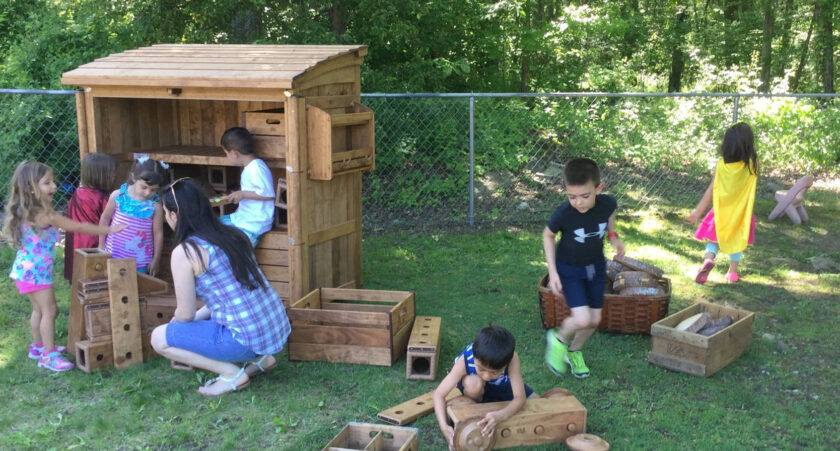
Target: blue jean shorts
{"points": [[583, 286], [207, 338], [251, 235]]}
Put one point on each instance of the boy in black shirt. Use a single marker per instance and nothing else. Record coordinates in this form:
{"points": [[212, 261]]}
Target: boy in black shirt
{"points": [[577, 267]]}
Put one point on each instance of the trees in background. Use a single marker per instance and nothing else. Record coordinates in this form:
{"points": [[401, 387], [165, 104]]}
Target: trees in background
{"points": [[462, 45]]}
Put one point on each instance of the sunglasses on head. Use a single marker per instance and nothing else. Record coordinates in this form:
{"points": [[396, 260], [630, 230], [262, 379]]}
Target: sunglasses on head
{"points": [[171, 187]]}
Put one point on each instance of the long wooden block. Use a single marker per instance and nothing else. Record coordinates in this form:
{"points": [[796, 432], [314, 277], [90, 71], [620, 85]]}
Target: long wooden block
{"points": [[406, 412], [94, 356], [423, 349], [125, 313], [87, 263]]}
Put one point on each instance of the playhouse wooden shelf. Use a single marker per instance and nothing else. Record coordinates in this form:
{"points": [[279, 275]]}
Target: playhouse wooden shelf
{"points": [[173, 102]]}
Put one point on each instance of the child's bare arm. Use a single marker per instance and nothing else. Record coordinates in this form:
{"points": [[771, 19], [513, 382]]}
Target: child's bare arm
{"points": [[614, 240], [237, 196], [550, 256], [492, 419], [702, 205], [56, 219], [449, 382], [157, 234], [107, 216]]}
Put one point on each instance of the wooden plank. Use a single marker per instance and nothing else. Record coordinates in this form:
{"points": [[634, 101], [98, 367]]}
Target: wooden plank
{"points": [[677, 364], [278, 240], [270, 147], [312, 300], [330, 102], [341, 335], [348, 119], [272, 256], [198, 155], [408, 411], [266, 122], [93, 121], [319, 143], [402, 314], [340, 353], [332, 305], [87, 263], [400, 340], [351, 155], [276, 273], [81, 124], [365, 295], [98, 322], [91, 357], [339, 317], [147, 285], [331, 233], [125, 313]]}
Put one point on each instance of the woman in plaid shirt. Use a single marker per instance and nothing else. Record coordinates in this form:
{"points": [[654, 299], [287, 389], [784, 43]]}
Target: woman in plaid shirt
{"points": [[243, 319]]}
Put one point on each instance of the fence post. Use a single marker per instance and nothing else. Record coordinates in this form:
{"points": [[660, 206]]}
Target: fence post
{"points": [[472, 156], [735, 108]]}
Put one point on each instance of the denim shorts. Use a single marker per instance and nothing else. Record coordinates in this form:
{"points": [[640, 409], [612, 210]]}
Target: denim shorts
{"points": [[251, 236], [582, 287], [207, 338]]}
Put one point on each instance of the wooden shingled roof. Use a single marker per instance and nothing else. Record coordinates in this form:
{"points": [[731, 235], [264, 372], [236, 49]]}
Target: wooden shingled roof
{"points": [[210, 65]]}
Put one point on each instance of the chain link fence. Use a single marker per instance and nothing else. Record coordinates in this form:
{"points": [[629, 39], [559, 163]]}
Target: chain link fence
{"points": [[453, 161]]}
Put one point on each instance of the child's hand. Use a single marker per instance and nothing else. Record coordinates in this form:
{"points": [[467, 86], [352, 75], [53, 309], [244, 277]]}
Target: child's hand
{"points": [[554, 284], [153, 268], [118, 228], [234, 197], [619, 246], [693, 217], [449, 435], [489, 422]]}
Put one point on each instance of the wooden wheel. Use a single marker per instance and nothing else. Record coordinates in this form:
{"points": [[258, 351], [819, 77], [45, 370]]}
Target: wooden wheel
{"points": [[556, 392], [468, 436], [587, 442]]}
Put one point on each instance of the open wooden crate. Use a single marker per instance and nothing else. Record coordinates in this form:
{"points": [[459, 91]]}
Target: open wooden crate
{"points": [[351, 326], [696, 354], [364, 436]]}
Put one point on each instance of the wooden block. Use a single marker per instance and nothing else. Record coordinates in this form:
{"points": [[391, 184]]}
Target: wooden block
{"points": [[539, 422], [414, 408], [364, 436], [217, 178], [125, 313], [94, 356], [98, 322], [156, 310], [423, 348], [147, 285], [87, 263]]}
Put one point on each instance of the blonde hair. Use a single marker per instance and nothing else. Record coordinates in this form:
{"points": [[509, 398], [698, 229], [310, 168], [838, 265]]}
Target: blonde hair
{"points": [[24, 203]]}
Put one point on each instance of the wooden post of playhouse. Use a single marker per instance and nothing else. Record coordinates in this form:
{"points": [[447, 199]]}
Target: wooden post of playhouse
{"points": [[87, 263], [125, 313], [423, 349], [296, 195]]}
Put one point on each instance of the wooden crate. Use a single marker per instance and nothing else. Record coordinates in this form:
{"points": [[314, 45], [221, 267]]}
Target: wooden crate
{"points": [[697, 354], [364, 436], [351, 326], [357, 151]]}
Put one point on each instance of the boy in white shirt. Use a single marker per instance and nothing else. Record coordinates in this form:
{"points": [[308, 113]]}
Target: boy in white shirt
{"points": [[256, 196]]}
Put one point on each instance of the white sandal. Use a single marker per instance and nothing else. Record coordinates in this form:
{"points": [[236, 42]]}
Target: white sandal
{"points": [[259, 364], [230, 381]]}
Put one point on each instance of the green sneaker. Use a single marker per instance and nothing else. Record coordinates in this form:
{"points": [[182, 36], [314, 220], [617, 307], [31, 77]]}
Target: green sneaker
{"points": [[579, 368], [555, 353]]}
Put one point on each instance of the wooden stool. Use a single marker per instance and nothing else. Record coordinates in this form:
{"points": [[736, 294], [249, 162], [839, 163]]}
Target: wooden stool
{"points": [[790, 201]]}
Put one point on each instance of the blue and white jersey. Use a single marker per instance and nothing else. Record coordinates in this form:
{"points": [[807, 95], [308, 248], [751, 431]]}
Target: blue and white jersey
{"points": [[469, 361]]}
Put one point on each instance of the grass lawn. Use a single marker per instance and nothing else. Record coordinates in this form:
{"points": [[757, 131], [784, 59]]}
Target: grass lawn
{"points": [[781, 394]]}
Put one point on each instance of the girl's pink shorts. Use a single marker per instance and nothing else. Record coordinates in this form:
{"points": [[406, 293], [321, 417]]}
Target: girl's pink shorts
{"points": [[24, 287]]}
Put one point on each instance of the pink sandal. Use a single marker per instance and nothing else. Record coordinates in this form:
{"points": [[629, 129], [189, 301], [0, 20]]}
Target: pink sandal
{"points": [[732, 277], [704, 271]]}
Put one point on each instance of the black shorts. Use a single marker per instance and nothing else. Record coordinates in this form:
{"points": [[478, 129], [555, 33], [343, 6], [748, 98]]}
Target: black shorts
{"points": [[582, 287]]}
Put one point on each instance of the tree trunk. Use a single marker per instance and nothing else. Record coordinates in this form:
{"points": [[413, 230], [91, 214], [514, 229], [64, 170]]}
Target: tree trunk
{"points": [[766, 46], [825, 44], [797, 76], [338, 20], [677, 56], [784, 49]]}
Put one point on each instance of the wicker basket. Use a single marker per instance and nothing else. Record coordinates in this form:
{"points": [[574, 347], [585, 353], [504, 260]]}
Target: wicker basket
{"points": [[621, 314]]}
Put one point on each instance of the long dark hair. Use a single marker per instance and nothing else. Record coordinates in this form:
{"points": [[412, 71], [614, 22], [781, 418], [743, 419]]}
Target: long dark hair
{"points": [[739, 145], [196, 218]]}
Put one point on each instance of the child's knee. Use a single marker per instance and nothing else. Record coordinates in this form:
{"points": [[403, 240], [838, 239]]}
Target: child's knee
{"points": [[473, 387]]}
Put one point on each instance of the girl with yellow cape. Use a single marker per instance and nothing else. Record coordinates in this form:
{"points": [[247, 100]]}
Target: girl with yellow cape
{"points": [[730, 225]]}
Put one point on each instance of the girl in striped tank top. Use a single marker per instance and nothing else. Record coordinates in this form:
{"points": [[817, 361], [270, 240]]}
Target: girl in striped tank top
{"points": [[135, 205]]}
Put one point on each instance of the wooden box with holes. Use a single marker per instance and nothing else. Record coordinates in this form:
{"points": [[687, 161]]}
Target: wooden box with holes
{"points": [[351, 326], [365, 436]]}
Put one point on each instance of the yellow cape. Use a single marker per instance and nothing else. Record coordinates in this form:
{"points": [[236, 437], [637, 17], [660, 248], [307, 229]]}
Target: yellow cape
{"points": [[733, 196]]}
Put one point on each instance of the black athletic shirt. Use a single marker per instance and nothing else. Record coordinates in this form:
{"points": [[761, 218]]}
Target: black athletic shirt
{"points": [[582, 234]]}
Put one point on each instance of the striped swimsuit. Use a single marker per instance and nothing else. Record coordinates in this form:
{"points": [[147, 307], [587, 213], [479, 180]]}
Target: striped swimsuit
{"points": [[137, 240]]}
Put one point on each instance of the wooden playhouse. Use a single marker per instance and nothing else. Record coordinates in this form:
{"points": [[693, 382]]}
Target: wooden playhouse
{"points": [[172, 102]]}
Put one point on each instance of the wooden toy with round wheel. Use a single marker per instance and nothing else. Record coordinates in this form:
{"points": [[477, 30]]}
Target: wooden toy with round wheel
{"points": [[587, 442], [548, 419]]}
